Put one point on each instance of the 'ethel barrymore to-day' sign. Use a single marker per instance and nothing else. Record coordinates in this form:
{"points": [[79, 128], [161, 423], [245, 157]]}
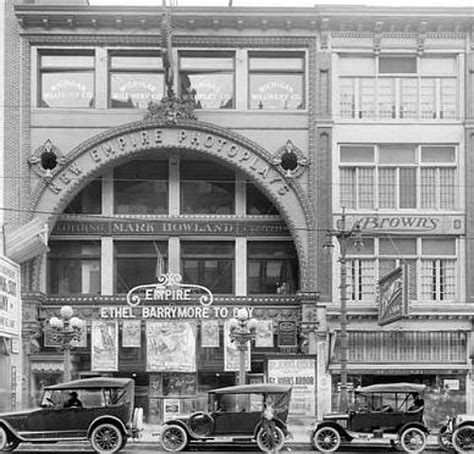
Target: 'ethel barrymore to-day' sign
{"points": [[393, 295]]}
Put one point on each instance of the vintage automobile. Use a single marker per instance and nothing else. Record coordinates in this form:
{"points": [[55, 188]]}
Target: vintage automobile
{"points": [[100, 410], [392, 412], [457, 435], [234, 416]]}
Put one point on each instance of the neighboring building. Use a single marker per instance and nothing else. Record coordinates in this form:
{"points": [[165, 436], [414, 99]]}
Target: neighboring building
{"points": [[287, 115]]}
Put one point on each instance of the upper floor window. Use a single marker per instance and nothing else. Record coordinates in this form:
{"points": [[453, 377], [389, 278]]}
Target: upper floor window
{"points": [[88, 201], [209, 78], [398, 87], [136, 78], [401, 176], [257, 202], [276, 80], [66, 79]]}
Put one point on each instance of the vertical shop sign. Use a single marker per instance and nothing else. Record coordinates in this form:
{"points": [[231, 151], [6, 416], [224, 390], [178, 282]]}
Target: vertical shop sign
{"points": [[301, 375], [171, 346], [264, 334], [210, 333], [104, 344], [232, 353], [392, 295], [131, 333]]}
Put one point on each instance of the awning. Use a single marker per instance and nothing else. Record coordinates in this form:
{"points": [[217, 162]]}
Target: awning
{"points": [[28, 241]]}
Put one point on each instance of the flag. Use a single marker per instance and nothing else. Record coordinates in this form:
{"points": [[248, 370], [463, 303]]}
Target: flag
{"points": [[166, 49], [160, 262]]}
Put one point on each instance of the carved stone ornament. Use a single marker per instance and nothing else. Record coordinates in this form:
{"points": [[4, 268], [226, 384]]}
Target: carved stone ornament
{"points": [[172, 109], [291, 160], [47, 160]]}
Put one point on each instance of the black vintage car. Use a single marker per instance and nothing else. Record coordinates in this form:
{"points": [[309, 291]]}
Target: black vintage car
{"points": [[234, 416], [97, 409], [392, 412]]}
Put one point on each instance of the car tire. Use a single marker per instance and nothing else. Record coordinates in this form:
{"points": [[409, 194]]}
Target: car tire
{"points": [[173, 438], [463, 438], [326, 439], [264, 443], [106, 438], [413, 440], [7, 443], [445, 440]]}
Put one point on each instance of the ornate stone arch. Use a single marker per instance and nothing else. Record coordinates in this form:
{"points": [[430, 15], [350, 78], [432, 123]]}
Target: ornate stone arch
{"points": [[108, 148]]}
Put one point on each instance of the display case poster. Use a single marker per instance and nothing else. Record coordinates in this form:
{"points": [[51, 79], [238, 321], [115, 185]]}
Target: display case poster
{"points": [[232, 354], [155, 385], [104, 345], [170, 346], [264, 336], [170, 408], [209, 333], [131, 333], [287, 333], [175, 384], [82, 341], [301, 375]]}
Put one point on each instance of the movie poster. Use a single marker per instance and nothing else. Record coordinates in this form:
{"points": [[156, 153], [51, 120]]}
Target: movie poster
{"points": [[264, 336], [232, 354], [209, 333], [171, 346], [104, 345], [131, 333]]}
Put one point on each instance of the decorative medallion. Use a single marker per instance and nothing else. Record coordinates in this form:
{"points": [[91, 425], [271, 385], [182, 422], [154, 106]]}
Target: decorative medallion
{"points": [[291, 160], [47, 160]]}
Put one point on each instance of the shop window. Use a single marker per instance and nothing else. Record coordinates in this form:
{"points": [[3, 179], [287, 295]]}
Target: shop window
{"points": [[210, 264], [66, 79], [208, 78], [257, 202], [136, 78], [276, 80], [138, 263], [141, 187], [207, 188], [74, 267], [88, 201], [272, 267]]}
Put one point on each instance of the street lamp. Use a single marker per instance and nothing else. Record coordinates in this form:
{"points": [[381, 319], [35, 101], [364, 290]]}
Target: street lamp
{"points": [[344, 236], [66, 330], [242, 330]]}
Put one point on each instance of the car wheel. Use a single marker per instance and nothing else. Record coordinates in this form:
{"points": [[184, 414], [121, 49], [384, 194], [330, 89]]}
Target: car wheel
{"points": [[174, 438], [106, 438], [7, 443], [413, 440], [327, 439], [264, 442], [445, 439], [463, 439]]}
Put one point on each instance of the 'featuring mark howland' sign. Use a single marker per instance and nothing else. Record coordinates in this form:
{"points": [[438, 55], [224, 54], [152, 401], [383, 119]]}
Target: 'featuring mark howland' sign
{"points": [[406, 223], [392, 295]]}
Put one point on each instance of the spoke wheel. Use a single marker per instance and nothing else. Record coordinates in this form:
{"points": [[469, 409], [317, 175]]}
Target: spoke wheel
{"points": [[174, 438], [267, 444], [106, 438], [445, 439], [413, 440], [327, 439], [7, 443], [463, 439]]}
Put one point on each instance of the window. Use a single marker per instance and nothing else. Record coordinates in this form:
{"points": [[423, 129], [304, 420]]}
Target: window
{"points": [[137, 263], [66, 79], [208, 78], [431, 262], [136, 78], [257, 202], [207, 188], [74, 267], [88, 201], [272, 267], [208, 263], [141, 187], [402, 176], [398, 87], [276, 80]]}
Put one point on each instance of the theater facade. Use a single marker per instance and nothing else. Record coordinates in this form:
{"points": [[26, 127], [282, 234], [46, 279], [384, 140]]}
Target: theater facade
{"points": [[211, 153]]}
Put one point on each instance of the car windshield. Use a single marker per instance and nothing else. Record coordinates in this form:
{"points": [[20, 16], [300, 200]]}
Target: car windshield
{"points": [[385, 402]]}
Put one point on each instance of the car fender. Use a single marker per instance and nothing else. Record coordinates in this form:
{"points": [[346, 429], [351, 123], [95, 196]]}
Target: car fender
{"points": [[343, 432], [178, 422], [107, 418], [413, 424], [463, 423], [7, 426]]}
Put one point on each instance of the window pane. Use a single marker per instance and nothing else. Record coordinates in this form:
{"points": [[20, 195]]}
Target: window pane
{"points": [[447, 181], [348, 187], [361, 280], [347, 97], [67, 61], [397, 154], [438, 154], [438, 247], [428, 98], [211, 90], [448, 101], [135, 90], [356, 153], [356, 66], [276, 91], [275, 63], [366, 249], [438, 66], [209, 63], [387, 188], [141, 187], [257, 202], [367, 98], [397, 246], [391, 65], [407, 188], [67, 89], [428, 187], [408, 98], [150, 62], [386, 97], [89, 200], [366, 187]]}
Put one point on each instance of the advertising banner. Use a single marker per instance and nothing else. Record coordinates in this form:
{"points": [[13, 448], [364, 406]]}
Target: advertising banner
{"points": [[210, 333], [171, 346], [131, 333], [264, 336], [232, 353], [104, 345], [392, 295], [301, 375], [10, 298]]}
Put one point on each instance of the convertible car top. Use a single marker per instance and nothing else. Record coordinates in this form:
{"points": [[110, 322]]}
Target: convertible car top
{"points": [[252, 389], [96, 382], [392, 388]]}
